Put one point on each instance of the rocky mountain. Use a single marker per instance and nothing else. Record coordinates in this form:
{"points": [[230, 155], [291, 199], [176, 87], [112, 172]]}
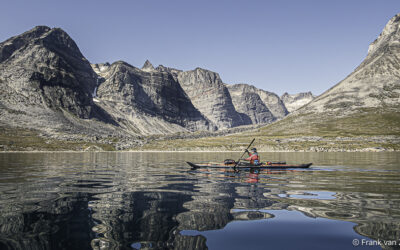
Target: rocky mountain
{"points": [[211, 97], [147, 66], [273, 102], [296, 101], [360, 113], [44, 67], [249, 104], [251, 99], [172, 71], [373, 84], [147, 100], [46, 83], [364, 107], [49, 87]]}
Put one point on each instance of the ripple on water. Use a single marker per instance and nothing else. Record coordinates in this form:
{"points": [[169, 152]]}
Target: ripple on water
{"points": [[139, 200]]}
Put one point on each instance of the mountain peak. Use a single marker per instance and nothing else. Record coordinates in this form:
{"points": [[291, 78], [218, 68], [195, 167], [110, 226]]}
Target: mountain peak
{"points": [[391, 33], [54, 39], [39, 28], [147, 66]]}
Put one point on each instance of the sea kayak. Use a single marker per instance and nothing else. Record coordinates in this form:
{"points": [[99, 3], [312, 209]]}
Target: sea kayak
{"points": [[264, 165]]}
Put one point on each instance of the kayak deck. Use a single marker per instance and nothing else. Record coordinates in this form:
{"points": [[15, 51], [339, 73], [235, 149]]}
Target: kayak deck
{"points": [[241, 166]]}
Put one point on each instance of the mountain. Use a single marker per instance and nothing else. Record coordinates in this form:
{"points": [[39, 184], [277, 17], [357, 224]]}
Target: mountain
{"points": [[147, 66], [211, 97], [374, 83], [365, 103], [147, 100], [47, 84], [270, 100], [249, 104], [360, 113], [296, 101], [44, 67], [53, 95]]}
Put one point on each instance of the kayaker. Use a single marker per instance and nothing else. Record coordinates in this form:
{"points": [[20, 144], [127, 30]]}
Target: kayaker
{"points": [[253, 157]]}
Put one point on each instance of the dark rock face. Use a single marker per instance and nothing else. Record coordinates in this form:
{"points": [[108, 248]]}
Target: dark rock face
{"points": [[211, 97], [172, 71], [44, 67], [273, 103], [270, 100], [249, 104], [156, 95]]}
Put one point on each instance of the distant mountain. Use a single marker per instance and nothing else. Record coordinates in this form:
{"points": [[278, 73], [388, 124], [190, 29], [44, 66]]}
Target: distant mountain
{"points": [[147, 100], [49, 87], [296, 101], [271, 101], [360, 113], [365, 103], [375, 83], [211, 97], [247, 101], [147, 66]]}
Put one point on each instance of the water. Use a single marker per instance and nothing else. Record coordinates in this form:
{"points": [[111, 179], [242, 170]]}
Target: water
{"points": [[154, 201]]}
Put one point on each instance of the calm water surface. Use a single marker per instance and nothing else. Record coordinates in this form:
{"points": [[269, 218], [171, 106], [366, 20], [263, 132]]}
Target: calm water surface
{"points": [[155, 201]]}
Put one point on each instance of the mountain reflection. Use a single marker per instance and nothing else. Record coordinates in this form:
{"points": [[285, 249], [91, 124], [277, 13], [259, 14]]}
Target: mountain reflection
{"points": [[117, 201]]}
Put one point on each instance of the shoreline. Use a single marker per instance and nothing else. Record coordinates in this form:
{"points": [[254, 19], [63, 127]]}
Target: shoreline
{"points": [[202, 151]]}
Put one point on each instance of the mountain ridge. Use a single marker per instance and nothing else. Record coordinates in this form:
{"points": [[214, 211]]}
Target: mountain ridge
{"points": [[51, 90], [359, 113], [50, 87]]}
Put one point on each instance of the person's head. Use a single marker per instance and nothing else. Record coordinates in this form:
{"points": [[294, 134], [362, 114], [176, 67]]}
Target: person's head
{"points": [[254, 150]]}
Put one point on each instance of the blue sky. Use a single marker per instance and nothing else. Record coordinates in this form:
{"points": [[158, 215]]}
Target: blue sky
{"points": [[293, 46]]}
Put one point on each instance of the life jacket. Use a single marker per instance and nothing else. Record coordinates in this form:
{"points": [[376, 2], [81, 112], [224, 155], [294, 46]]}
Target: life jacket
{"points": [[254, 158]]}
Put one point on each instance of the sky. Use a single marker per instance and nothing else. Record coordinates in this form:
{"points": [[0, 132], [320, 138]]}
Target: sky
{"points": [[280, 46]]}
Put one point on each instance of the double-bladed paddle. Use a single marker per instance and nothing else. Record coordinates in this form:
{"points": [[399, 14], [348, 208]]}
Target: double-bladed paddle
{"points": [[244, 153]]}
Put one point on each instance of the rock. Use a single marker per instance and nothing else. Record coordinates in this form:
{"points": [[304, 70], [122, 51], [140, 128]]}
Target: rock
{"points": [[272, 101], [211, 97], [92, 148], [373, 84], [44, 67], [249, 104], [172, 71], [47, 85], [148, 67], [296, 101], [148, 100]]}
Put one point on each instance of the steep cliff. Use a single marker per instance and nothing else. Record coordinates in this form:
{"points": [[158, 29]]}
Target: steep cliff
{"points": [[211, 97], [44, 67], [47, 84], [147, 100], [249, 104]]}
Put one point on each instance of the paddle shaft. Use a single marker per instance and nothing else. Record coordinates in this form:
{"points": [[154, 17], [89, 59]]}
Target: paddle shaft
{"points": [[244, 152]]}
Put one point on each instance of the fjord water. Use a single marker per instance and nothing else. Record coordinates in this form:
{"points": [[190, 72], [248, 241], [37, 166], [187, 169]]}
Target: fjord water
{"points": [[112, 200]]}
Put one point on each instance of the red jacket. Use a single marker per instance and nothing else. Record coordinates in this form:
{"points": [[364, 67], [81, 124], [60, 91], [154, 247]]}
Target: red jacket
{"points": [[253, 157]]}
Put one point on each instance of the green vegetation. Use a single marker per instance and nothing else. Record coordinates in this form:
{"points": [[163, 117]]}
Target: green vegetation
{"points": [[366, 128], [16, 139], [364, 122], [374, 129]]}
